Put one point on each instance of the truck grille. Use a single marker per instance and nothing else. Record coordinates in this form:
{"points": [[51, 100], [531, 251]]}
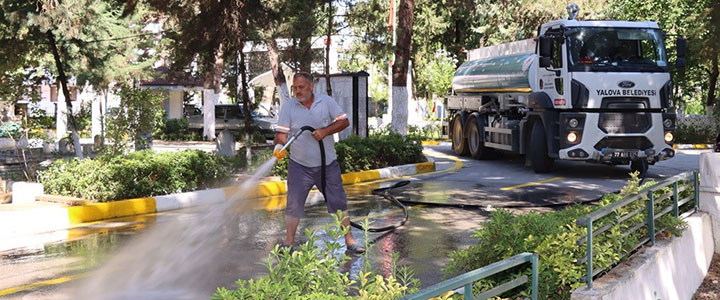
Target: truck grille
{"points": [[625, 117], [624, 142]]}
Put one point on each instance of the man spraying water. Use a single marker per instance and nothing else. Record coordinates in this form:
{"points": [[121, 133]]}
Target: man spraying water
{"points": [[304, 168]]}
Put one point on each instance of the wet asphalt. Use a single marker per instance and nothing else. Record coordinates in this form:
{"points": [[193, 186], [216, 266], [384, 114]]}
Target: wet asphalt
{"points": [[57, 270]]}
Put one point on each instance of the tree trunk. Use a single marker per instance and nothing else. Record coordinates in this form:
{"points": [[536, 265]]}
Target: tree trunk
{"points": [[212, 85], [277, 71], [710, 103], [102, 119], [246, 109], [327, 49], [400, 67], [66, 92], [305, 43]]}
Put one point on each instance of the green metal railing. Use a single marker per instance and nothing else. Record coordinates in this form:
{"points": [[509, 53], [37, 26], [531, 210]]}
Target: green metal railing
{"points": [[466, 280], [651, 198]]}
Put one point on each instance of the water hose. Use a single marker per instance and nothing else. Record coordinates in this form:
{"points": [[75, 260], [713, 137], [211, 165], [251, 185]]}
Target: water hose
{"points": [[384, 192]]}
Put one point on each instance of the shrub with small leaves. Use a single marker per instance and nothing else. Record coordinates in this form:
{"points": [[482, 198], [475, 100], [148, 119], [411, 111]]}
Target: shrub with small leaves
{"points": [[313, 272], [139, 174], [379, 150]]}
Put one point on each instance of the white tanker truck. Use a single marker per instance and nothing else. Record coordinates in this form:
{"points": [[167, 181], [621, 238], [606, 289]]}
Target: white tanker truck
{"points": [[595, 91]]}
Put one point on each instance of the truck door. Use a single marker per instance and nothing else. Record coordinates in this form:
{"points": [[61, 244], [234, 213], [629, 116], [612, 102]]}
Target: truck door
{"points": [[552, 79]]}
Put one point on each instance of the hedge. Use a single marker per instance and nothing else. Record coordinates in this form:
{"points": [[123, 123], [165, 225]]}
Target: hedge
{"points": [[376, 151], [139, 174]]}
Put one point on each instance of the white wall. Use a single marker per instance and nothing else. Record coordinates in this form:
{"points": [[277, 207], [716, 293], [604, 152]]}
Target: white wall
{"points": [[671, 270]]}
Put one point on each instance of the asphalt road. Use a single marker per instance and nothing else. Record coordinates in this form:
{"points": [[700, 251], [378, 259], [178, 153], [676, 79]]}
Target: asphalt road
{"points": [[107, 258]]}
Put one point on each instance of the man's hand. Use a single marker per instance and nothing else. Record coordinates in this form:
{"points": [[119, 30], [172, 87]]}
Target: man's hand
{"points": [[280, 154], [319, 134]]}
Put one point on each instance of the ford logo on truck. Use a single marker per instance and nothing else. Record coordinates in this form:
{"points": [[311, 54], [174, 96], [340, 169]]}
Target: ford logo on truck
{"points": [[626, 84]]}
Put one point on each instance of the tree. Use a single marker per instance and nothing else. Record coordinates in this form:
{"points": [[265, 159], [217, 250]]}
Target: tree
{"points": [[400, 67], [85, 41], [139, 110], [210, 33]]}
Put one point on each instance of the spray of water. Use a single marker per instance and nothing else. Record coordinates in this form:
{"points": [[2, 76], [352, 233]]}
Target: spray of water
{"points": [[173, 260]]}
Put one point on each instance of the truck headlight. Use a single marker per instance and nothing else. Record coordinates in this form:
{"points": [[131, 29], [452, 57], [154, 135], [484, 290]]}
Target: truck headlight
{"points": [[572, 137], [669, 136], [573, 123]]}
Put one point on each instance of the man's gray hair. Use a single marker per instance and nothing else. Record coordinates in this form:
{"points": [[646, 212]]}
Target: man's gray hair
{"points": [[305, 75]]}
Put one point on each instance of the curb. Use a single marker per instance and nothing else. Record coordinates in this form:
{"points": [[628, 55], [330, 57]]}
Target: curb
{"points": [[63, 217], [430, 143], [692, 146]]}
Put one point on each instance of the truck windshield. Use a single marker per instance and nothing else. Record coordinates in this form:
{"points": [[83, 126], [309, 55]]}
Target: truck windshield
{"points": [[616, 49]]}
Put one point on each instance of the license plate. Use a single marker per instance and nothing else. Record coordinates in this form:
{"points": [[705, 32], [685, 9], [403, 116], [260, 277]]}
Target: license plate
{"points": [[622, 154]]}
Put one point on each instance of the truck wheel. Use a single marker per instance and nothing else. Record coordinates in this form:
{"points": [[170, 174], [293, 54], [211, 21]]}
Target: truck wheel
{"points": [[475, 137], [459, 142], [538, 152], [639, 165]]}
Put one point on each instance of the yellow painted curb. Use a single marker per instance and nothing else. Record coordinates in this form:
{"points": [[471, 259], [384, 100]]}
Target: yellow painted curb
{"points": [[430, 143], [425, 167], [355, 177], [263, 189], [43, 283], [109, 210], [693, 146]]}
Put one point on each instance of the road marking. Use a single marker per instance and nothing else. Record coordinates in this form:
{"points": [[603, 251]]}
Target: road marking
{"points": [[48, 282], [507, 188]]}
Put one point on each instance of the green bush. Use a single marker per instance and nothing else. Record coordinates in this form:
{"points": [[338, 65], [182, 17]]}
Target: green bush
{"points": [[696, 134], [10, 129], [312, 272], [139, 174], [174, 130], [379, 150], [428, 132], [553, 236]]}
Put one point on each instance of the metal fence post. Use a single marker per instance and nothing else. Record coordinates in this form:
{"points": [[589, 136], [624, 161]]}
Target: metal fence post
{"points": [[651, 217], [469, 291], [535, 267], [589, 253], [696, 180], [676, 209]]}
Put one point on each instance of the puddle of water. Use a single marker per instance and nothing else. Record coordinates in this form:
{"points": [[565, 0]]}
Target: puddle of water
{"points": [[173, 260]]}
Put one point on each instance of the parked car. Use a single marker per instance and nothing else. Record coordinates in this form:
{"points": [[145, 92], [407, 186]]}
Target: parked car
{"points": [[231, 116]]}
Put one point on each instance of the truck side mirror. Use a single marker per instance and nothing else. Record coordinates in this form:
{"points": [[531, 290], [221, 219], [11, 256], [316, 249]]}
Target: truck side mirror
{"points": [[681, 46], [545, 46], [545, 62]]}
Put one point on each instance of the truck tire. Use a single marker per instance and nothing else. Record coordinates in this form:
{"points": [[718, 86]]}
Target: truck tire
{"points": [[639, 165], [538, 151], [459, 141], [475, 133]]}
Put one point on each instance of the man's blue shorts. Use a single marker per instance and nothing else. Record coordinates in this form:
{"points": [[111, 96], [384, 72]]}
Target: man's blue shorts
{"points": [[301, 179]]}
